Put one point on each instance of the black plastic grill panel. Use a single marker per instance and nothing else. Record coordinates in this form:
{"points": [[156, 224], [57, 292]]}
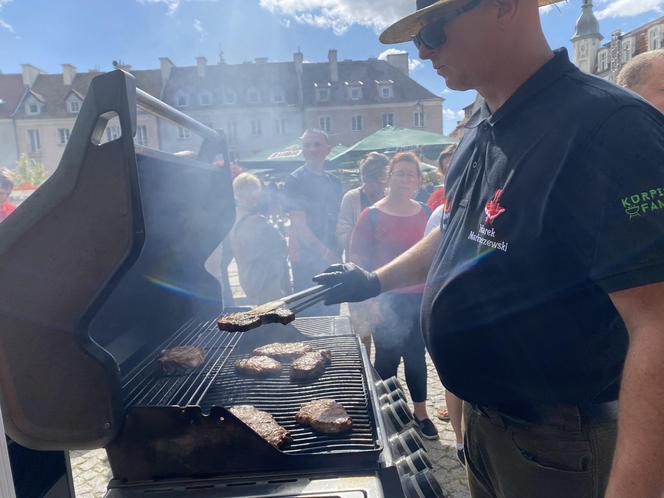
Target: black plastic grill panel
{"points": [[343, 380]]}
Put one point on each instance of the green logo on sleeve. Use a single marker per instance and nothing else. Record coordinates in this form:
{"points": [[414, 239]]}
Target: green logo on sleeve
{"points": [[643, 203]]}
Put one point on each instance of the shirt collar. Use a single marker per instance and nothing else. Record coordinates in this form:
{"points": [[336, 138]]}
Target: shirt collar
{"points": [[550, 72]]}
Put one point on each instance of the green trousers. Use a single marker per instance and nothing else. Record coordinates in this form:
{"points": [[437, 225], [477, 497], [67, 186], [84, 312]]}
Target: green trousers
{"points": [[509, 457]]}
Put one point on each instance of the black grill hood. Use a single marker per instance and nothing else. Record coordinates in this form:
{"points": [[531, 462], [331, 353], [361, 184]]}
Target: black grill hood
{"points": [[99, 265]]}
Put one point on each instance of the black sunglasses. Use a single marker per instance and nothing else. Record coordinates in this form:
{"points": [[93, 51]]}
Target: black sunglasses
{"points": [[432, 35]]}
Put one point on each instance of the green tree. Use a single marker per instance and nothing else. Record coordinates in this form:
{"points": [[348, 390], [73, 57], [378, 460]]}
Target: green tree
{"points": [[29, 170]]}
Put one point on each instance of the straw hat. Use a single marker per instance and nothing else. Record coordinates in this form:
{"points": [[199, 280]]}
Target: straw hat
{"points": [[406, 28]]}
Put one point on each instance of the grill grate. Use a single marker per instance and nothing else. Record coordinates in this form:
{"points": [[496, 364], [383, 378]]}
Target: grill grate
{"points": [[147, 385], [343, 381]]}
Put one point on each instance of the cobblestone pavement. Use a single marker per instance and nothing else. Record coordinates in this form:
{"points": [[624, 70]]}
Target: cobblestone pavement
{"points": [[92, 473]]}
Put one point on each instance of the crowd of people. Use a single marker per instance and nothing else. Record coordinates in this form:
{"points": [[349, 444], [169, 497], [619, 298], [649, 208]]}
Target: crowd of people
{"points": [[369, 225]]}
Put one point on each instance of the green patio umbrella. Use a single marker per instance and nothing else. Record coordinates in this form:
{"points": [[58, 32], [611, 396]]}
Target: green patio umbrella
{"points": [[287, 157], [391, 140]]}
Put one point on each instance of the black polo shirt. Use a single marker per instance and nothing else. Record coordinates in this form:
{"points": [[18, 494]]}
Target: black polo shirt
{"points": [[557, 200], [319, 197]]}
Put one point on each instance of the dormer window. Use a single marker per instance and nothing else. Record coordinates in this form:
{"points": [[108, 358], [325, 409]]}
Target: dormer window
{"points": [[181, 99], [230, 97], [356, 93], [253, 97], [74, 106], [32, 107], [323, 94], [205, 98], [278, 96]]}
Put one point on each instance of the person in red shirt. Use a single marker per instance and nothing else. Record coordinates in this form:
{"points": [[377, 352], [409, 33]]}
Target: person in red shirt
{"points": [[6, 187], [438, 196], [384, 231]]}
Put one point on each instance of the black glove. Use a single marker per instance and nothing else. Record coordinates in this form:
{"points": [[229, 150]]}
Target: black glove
{"points": [[357, 284]]}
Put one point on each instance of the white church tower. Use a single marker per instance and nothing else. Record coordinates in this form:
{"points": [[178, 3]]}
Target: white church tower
{"points": [[586, 40]]}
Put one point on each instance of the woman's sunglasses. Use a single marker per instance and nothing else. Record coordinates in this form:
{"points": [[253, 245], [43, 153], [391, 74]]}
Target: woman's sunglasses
{"points": [[432, 35]]}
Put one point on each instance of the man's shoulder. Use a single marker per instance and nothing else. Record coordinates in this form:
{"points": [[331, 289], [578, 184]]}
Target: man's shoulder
{"points": [[604, 98]]}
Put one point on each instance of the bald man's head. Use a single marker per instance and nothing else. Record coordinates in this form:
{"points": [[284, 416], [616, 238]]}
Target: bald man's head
{"points": [[644, 74]]}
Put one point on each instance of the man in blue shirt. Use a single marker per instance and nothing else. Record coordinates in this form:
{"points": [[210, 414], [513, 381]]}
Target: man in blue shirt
{"points": [[313, 197], [545, 284]]}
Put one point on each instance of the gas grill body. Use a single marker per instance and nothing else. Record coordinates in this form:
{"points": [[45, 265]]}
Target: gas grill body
{"points": [[104, 268]]}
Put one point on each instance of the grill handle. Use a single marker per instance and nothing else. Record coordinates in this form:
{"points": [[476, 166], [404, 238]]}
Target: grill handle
{"points": [[163, 110]]}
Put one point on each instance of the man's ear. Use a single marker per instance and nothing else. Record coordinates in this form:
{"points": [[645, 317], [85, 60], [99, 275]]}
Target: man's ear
{"points": [[507, 9]]}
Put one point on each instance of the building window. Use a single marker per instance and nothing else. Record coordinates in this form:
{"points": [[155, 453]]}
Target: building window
{"points": [[112, 133], [181, 99], [388, 119], [355, 93], [142, 135], [183, 133], [230, 97], [325, 124], [418, 119], [386, 92], [655, 38], [278, 96], [253, 97], [323, 94], [603, 61], [32, 107], [280, 126], [74, 106], [205, 99], [256, 129], [356, 123], [232, 132], [63, 135], [35, 143], [627, 50]]}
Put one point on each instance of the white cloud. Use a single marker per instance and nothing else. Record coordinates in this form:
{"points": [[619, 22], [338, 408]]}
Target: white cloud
{"points": [[628, 8], [172, 5], [198, 26], [455, 115], [4, 24], [339, 15], [413, 64]]}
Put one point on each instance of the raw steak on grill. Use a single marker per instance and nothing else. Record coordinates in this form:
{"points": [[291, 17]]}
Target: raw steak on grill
{"points": [[310, 365], [181, 358], [258, 366], [263, 424], [284, 350], [247, 320], [324, 415]]}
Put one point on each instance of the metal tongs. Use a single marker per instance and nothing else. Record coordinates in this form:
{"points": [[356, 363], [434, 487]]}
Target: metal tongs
{"points": [[278, 311]]}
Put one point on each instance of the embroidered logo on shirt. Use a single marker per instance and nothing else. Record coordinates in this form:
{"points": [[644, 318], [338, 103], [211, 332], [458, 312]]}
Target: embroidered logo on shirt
{"points": [[643, 203], [493, 209]]}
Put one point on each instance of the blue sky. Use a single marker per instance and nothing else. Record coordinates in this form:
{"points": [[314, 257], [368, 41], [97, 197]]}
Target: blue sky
{"points": [[93, 33]]}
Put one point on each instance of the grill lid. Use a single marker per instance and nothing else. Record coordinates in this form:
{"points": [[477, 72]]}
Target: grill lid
{"points": [[75, 262]]}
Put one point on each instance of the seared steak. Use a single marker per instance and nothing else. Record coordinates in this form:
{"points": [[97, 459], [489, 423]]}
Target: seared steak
{"points": [[258, 366], [181, 358], [247, 320], [324, 415], [310, 365], [263, 424], [284, 350]]}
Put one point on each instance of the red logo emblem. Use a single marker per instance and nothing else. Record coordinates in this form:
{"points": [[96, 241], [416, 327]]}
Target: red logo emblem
{"points": [[493, 209]]}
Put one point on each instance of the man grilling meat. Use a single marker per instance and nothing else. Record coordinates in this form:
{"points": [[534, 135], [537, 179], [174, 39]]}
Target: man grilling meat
{"points": [[549, 262]]}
